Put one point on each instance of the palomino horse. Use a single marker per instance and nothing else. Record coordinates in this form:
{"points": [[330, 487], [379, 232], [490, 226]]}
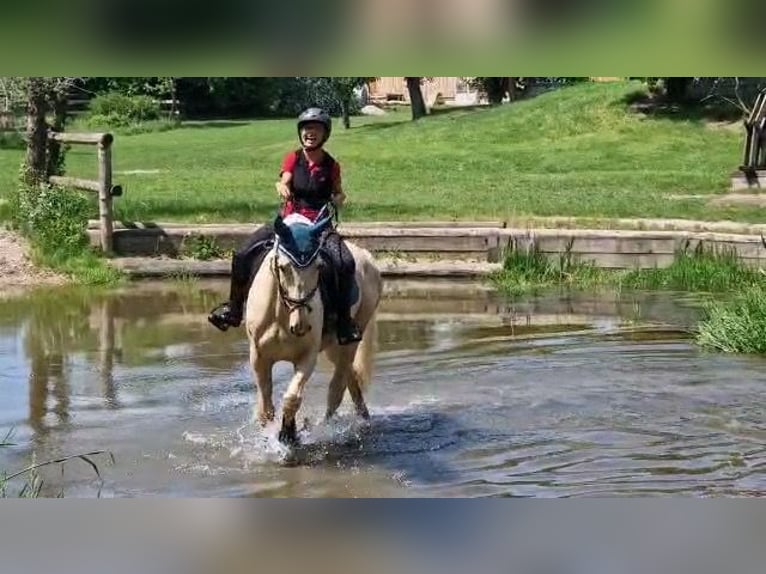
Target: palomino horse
{"points": [[286, 320]]}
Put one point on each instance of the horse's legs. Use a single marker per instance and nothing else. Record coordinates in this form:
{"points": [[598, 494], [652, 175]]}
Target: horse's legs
{"points": [[262, 370], [335, 390], [291, 401], [355, 390]]}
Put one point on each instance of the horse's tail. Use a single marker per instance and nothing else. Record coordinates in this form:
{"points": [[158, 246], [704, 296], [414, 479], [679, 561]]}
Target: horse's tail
{"points": [[364, 358]]}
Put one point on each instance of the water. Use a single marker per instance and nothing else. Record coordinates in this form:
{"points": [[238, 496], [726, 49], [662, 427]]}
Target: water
{"points": [[474, 395]]}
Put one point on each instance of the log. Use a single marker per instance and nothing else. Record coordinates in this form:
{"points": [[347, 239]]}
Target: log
{"points": [[75, 182], [104, 139]]}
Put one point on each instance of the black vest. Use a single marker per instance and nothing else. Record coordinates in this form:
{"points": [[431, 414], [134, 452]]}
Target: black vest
{"points": [[313, 189]]}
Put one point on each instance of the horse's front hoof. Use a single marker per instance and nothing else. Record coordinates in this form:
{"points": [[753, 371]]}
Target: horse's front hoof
{"points": [[288, 434]]}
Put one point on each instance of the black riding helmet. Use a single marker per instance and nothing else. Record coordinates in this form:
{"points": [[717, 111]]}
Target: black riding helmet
{"points": [[316, 115]]}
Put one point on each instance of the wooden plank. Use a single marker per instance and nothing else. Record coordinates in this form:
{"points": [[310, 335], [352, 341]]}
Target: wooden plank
{"points": [[105, 139], [152, 267], [75, 182]]}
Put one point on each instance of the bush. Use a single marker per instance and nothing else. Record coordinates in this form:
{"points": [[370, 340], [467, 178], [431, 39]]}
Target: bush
{"points": [[55, 219], [119, 110]]}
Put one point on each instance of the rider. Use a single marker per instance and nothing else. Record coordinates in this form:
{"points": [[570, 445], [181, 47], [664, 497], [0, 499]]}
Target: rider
{"points": [[310, 178]]}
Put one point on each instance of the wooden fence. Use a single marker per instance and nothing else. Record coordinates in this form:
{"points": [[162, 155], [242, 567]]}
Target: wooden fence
{"points": [[103, 186]]}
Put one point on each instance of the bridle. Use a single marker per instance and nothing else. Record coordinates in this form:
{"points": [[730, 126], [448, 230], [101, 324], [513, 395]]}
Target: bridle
{"points": [[291, 303]]}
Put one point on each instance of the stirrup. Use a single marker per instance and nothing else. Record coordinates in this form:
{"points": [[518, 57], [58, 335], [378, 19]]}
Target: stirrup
{"points": [[221, 318], [348, 334]]}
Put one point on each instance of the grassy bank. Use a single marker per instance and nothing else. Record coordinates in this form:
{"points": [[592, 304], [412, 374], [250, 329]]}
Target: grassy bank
{"points": [[580, 151], [55, 220], [734, 314], [703, 270]]}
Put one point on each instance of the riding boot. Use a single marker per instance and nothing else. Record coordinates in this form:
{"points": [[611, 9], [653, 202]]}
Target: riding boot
{"points": [[348, 330], [244, 267], [230, 314]]}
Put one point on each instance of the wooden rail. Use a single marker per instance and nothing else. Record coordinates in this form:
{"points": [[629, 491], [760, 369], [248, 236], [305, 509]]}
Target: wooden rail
{"points": [[102, 186]]}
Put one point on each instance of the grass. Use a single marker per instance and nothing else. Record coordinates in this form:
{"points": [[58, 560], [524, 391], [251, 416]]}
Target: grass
{"points": [[31, 480], [734, 313], [579, 152], [702, 270], [737, 325], [734, 294]]}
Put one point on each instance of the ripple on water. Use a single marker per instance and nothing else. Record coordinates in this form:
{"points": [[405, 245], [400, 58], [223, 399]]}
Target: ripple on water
{"points": [[596, 408]]}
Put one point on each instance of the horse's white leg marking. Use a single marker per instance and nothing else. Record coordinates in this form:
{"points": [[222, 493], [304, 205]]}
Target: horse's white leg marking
{"points": [[291, 401]]}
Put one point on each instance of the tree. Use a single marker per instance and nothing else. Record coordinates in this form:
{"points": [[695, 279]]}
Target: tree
{"points": [[494, 88], [417, 103], [677, 89], [343, 88], [44, 95]]}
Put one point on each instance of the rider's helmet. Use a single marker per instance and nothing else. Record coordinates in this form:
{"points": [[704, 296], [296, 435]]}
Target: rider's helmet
{"points": [[312, 115]]}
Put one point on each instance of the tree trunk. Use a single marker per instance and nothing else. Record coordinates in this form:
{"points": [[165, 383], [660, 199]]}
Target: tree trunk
{"points": [[417, 102], [677, 89], [345, 104], [495, 88], [37, 136], [55, 155]]}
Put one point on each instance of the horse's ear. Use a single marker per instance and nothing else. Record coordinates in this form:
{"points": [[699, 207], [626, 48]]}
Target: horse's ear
{"points": [[280, 227], [320, 226]]}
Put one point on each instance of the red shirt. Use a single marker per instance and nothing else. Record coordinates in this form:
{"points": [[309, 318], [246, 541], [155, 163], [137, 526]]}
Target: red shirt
{"points": [[288, 164]]}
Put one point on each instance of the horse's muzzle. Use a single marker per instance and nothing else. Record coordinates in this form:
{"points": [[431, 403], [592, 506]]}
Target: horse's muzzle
{"points": [[299, 331]]}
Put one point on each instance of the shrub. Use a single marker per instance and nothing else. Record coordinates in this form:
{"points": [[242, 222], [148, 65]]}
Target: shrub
{"points": [[118, 110], [55, 219]]}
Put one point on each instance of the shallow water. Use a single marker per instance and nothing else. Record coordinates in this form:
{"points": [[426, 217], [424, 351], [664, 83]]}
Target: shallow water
{"points": [[474, 395]]}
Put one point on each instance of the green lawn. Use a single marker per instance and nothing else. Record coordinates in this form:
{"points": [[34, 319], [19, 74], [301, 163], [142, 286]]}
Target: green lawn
{"points": [[575, 152]]}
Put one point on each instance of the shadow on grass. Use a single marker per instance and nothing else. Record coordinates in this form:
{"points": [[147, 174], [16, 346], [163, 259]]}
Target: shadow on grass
{"points": [[435, 112], [657, 107], [12, 140], [203, 124]]}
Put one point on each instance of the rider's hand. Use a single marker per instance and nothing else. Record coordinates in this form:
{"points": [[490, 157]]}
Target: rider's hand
{"points": [[338, 199], [283, 190]]}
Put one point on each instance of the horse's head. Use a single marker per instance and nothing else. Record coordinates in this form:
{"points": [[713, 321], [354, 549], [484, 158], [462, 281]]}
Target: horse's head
{"points": [[297, 265]]}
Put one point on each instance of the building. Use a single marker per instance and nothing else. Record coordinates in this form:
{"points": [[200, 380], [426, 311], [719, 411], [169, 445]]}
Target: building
{"points": [[445, 90]]}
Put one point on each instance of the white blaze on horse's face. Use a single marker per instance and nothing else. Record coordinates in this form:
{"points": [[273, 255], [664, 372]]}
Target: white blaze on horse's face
{"points": [[298, 283], [297, 266]]}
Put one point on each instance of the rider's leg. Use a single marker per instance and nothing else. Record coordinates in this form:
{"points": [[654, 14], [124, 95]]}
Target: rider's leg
{"points": [[244, 265], [345, 268]]}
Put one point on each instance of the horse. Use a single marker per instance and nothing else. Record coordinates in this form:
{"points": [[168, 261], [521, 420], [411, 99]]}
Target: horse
{"points": [[289, 317]]}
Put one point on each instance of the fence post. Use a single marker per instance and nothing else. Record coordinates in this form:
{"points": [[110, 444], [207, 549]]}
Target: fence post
{"points": [[105, 193]]}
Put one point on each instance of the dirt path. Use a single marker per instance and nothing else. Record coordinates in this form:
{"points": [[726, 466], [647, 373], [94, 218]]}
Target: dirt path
{"points": [[16, 270]]}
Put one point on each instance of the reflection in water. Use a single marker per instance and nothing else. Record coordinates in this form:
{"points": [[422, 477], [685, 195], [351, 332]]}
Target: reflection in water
{"points": [[474, 395]]}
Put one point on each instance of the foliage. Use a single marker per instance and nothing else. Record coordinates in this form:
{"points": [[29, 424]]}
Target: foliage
{"points": [[589, 157], [12, 93], [32, 480], [115, 109], [701, 270], [736, 325], [54, 218], [528, 270], [343, 89], [158, 87], [202, 247], [297, 94]]}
